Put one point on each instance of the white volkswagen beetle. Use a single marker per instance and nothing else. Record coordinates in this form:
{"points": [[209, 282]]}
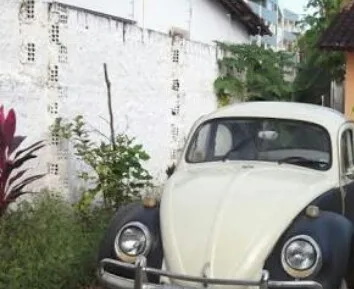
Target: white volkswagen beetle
{"points": [[263, 196]]}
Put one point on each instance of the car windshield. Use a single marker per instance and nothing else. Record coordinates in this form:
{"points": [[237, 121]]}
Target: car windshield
{"points": [[261, 139]]}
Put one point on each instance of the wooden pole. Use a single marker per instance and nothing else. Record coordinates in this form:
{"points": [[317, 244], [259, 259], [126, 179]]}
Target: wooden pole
{"points": [[110, 110]]}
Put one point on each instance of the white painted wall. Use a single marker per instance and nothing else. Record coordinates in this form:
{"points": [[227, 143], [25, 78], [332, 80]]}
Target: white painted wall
{"points": [[23, 85], [141, 71], [205, 20], [140, 68]]}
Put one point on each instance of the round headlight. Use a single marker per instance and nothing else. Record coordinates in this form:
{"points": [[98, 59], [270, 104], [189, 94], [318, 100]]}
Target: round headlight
{"points": [[301, 256], [132, 240]]}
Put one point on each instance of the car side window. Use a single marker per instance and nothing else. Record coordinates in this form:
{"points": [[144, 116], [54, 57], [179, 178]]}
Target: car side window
{"points": [[347, 152], [199, 148]]}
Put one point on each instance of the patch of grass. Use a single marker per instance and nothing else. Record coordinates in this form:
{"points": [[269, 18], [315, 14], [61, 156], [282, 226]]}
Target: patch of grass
{"points": [[47, 245]]}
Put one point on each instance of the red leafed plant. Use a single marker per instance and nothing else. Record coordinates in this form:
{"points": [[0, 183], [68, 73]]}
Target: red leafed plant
{"points": [[11, 160]]}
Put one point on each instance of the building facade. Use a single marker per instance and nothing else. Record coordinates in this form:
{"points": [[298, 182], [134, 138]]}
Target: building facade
{"points": [[199, 20], [283, 24], [51, 66]]}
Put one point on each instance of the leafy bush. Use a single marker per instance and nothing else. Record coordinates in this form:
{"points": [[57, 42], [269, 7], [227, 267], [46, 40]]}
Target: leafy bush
{"points": [[115, 168], [249, 72], [11, 185], [46, 245]]}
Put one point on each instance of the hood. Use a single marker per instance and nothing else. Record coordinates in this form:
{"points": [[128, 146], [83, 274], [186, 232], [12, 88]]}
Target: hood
{"points": [[230, 217]]}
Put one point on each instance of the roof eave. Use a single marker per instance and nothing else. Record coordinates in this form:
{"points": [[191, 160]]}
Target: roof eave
{"points": [[253, 23]]}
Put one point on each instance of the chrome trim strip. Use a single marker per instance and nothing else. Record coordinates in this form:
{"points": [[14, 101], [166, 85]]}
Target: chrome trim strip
{"points": [[116, 282]]}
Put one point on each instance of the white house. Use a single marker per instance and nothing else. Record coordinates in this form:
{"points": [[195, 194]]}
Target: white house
{"points": [[200, 20], [161, 59]]}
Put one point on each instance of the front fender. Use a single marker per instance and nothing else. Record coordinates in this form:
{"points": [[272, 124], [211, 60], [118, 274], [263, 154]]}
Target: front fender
{"points": [[333, 232], [134, 212]]}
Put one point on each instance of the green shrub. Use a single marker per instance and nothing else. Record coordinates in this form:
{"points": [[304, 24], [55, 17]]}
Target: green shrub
{"points": [[116, 169], [46, 245]]}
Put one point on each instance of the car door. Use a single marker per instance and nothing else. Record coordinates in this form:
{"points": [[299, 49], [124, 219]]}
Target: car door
{"points": [[346, 167]]}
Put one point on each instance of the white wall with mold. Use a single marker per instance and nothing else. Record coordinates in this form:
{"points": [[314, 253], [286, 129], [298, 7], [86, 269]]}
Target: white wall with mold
{"points": [[154, 98], [23, 80], [160, 85], [204, 20]]}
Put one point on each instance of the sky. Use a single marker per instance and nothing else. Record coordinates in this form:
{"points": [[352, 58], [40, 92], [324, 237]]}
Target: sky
{"points": [[295, 5]]}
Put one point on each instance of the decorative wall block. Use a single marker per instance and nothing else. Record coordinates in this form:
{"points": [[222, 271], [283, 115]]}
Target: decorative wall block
{"points": [[175, 85], [31, 52], [54, 33], [63, 154], [53, 169], [174, 132], [28, 52], [54, 108], [62, 92], [63, 54], [27, 10], [54, 73], [63, 14], [175, 56], [174, 154], [64, 181], [55, 140], [175, 110]]}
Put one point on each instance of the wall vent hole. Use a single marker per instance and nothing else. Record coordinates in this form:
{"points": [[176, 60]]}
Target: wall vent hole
{"points": [[175, 111], [63, 54], [31, 52], [54, 33], [175, 85], [54, 73], [53, 169], [175, 56], [55, 139], [62, 92], [63, 14], [54, 108], [29, 8]]}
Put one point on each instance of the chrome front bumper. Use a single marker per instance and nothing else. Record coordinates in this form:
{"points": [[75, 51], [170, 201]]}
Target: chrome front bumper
{"points": [[111, 281]]}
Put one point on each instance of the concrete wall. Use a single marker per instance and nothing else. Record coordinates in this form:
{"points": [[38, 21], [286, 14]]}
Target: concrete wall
{"points": [[204, 20], [23, 82], [160, 85]]}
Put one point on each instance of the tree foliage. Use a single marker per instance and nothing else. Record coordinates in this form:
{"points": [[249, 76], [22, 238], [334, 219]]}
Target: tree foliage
{"points": [[249, 72], [318, 67]]}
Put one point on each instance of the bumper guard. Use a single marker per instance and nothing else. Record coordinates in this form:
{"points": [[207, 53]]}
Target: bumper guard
{"points": [[140, 281]]}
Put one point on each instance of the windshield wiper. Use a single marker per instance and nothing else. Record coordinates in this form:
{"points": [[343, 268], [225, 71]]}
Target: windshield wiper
{"points": [[297, 159]]}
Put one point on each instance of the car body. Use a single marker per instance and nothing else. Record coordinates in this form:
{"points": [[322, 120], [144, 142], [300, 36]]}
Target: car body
{"points": [[262, 196]]}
